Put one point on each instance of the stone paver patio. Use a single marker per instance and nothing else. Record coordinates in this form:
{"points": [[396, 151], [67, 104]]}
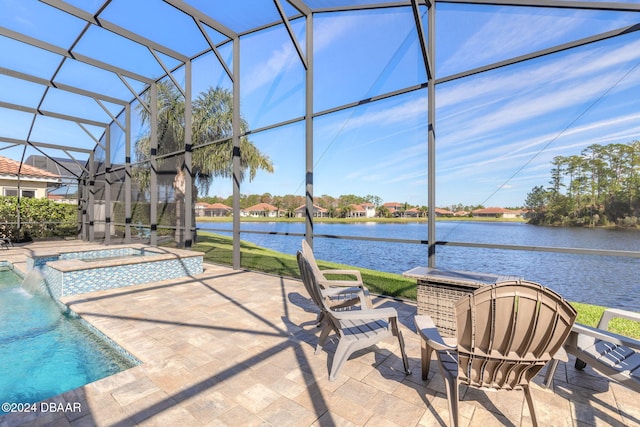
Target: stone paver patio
{"points": [[237, 348]]}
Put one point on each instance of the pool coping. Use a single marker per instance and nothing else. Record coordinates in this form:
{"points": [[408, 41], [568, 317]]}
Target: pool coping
{"points": [[159, 254]]}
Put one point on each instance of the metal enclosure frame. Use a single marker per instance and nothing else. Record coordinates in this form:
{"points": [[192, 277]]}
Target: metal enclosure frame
{"points": [[426, 36]]}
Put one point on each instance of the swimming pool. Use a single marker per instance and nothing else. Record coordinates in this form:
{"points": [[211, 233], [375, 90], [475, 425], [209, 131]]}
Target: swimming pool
{"points": [[45, 352]]}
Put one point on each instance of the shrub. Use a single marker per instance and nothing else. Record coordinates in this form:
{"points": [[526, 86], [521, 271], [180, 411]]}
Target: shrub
{"points": [[36, 218]]}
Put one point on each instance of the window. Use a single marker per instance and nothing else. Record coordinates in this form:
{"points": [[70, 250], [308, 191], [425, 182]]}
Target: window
{"points": [[23, 192]]}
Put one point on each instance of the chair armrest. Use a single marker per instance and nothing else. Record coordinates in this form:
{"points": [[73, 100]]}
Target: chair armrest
{"points": [[366, 314], [349, 294], [612, 313], [340, 290], [328, 283], [561, 355], [428, 331], [355, 273], [606, 336]]}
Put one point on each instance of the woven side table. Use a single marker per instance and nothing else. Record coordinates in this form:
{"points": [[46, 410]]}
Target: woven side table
{"points": [[439, 290]]}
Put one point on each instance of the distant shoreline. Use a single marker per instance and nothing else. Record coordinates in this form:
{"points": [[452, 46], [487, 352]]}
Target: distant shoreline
{"points": [[395, 221], [357, 220]]}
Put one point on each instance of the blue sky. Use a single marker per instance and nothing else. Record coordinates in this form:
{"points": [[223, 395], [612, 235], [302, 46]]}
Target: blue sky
{"points": [[496, 132]]}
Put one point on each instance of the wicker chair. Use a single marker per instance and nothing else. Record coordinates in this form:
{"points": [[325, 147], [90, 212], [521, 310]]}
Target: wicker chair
{"points": [[356, 329], [506, 333]]}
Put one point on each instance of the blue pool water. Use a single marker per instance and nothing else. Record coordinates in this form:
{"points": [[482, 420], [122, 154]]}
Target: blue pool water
{"points": [[44, 352]]}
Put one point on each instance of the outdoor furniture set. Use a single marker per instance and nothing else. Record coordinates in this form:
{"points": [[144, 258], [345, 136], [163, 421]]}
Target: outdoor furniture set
{"points": [[487, 331]]}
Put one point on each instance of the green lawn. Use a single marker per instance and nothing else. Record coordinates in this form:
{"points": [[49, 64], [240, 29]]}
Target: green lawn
{"points": [[217, 249]]}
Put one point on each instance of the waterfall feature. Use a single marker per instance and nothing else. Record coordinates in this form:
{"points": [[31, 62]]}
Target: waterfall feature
{"points": [[34, 282]]}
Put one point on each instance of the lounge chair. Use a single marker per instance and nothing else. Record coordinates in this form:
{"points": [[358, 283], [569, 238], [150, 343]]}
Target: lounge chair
{"points": [[341, 293], [356, 329], [6, 243], [613, 355], [143, 232], [506, 333]]}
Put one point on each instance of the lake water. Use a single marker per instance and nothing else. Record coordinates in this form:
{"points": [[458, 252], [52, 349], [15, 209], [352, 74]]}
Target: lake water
{"points": [[610, 281]]}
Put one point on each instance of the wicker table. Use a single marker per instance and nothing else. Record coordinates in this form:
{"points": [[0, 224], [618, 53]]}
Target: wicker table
{"points": [[439, 290]]}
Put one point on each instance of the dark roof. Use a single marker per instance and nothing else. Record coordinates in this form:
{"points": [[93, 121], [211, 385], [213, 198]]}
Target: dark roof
{"points": [[64, 168]]}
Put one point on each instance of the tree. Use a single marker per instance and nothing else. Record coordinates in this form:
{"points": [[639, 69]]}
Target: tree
{"points": [[350, 199], [211, 123], [556, 174], [603, 186], [375, 200], [596, 172], [536, 199]]}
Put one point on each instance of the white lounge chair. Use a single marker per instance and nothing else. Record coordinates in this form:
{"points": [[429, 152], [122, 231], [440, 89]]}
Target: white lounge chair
{"points": [[613, 355], [356, 329]]}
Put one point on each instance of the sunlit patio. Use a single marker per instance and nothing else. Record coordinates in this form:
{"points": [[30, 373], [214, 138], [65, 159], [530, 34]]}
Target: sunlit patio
{"points": [[233, 347]]}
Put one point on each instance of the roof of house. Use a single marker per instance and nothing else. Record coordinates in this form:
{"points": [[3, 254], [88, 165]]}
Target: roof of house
{"points": [[388, 204], [494, 210], [12, 167], [218, 206], [443, 211], [316, 207], [261, 207]]}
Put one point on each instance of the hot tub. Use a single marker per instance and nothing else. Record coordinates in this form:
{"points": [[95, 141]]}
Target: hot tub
{"points": [[71, 273]]}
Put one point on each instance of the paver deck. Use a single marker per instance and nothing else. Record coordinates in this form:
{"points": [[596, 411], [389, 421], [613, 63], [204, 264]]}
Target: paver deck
{"points": [[237, 348]]}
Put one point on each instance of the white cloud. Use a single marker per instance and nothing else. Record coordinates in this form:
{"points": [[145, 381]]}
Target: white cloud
{"points": [[327, 31], [504, 84], [282, 58], [538, 95], [508, 34]]}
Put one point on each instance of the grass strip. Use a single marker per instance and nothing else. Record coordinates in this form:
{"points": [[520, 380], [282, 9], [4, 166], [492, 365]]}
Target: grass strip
{"points": [[217, 249]]}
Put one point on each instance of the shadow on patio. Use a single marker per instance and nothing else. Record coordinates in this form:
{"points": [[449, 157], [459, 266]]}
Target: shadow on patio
{"points": [[236, 348]]}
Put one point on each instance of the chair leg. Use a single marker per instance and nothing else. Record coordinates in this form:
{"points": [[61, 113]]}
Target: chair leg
{"points": [[367, 301], [451, 384], [580, 365], [323, 337], [425, 359], [405, 360], [551, 370], [320, 319], [343, 351], [532, 409], [396, 331]]}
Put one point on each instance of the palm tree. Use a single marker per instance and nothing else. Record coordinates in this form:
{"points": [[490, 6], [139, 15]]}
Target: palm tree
{"points": [[211, 121]]}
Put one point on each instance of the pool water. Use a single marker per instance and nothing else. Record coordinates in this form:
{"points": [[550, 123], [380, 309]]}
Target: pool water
{"points": [[43, 351]]}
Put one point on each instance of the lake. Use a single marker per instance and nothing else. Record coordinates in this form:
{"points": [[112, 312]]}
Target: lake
{"points": [[603, 280]]}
